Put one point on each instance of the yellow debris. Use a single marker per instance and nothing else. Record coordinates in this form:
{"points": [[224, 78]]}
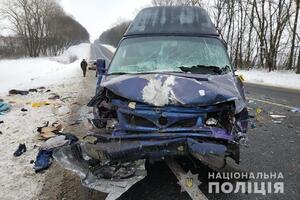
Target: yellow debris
{"points": [[39, 104]]}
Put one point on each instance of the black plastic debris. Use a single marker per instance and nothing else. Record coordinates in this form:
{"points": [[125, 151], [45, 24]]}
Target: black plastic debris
{"points": [[1, 122], [24, 110], [21, 149], [20, 92], [54, 96], [33, 90]]}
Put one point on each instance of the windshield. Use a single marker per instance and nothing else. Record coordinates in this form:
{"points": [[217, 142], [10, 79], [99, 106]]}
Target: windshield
{"points": [[169, 54]]}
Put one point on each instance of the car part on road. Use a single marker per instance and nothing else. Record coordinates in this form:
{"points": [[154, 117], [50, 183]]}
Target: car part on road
{"points": [[113, 178]]}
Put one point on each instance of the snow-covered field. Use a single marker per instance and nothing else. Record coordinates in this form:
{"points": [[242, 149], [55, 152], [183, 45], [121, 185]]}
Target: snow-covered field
{"points": [[17, 177], [34, 72], [285, 79]]}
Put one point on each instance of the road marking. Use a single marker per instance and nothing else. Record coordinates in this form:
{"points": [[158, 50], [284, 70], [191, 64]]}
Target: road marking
{"points": [[272, 103]]}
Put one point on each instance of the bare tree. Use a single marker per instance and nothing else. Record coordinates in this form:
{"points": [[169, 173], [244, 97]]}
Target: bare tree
{"points": [[294, 30], [43, 26]]}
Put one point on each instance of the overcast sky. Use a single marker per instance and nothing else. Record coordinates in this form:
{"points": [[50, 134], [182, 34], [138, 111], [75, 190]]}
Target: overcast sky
{"points": [[98, 15]]}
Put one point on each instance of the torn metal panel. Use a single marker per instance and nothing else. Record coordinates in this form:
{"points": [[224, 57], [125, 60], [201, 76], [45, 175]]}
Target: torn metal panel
{"points": [[75, 159]]}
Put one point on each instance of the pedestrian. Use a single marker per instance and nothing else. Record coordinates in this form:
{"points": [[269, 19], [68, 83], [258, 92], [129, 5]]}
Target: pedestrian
{"points": [[83, 65]]}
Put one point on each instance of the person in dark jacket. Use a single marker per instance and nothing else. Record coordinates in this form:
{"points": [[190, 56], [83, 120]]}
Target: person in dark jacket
{"points": [[83, 65]]}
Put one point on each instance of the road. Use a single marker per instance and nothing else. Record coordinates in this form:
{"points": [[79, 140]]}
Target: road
{"points": [[274, 143], [99, 51]]}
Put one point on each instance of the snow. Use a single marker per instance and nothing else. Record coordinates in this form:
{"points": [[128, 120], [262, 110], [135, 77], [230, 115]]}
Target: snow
{"points": [[27, 73], [284, 79], [18, 179]]}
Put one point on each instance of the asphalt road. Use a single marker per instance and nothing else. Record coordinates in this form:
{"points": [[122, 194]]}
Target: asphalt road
{"points": [[100, 52], [273, 143]]}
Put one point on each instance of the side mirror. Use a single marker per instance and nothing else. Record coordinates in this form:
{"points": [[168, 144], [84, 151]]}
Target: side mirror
{"points": [[101, 66]]}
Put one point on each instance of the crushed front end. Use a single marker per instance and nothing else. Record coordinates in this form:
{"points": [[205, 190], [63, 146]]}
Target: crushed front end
{"points": [[129, 131]]}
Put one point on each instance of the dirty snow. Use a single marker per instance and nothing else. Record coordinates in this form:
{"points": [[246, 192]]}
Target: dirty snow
{"points": [[157, 92], [285, 79], [18, 179], [34, 72]]}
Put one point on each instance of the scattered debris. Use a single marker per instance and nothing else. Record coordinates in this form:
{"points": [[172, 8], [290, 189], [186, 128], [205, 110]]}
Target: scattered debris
{"points": [[43, 160], [20, 92], [40, 104], [61, 110], [277, 116], [1, 122], [50, 132], [54, 142], [65, 98], [54, 96], [21, 149], [253, 125], [33, 90], [44, 157], [295, 110], [276, 122], [24, 110], [4, 107], [258, 111], [250, 101], [77, 122]]}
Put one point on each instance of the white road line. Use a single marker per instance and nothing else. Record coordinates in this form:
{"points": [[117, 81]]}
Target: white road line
{"points": [[272, 103]]}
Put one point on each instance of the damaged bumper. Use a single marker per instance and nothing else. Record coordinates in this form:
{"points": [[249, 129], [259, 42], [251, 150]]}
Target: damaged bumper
{"points": [[210, 151]]}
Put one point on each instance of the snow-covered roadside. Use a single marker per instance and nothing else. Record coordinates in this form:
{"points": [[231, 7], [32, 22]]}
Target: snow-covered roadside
{"points": [[34, 72], [17, 177], [285, 79]]}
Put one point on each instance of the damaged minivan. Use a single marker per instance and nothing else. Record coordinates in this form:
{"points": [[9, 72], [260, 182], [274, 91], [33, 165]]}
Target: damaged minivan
{"points": [[170, 91]]}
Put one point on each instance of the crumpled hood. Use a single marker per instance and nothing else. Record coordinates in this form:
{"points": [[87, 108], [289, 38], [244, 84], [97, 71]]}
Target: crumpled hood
{"points": [[163, 89]]}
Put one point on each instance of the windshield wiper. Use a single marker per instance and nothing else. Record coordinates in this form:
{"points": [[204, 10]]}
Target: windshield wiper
{"points": [[203, 69], [153, 72], [117, 73]]}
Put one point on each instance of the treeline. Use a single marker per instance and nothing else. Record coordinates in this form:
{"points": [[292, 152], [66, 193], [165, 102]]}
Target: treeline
{"points": [[40, 27], [258, 33], [113, 35]]}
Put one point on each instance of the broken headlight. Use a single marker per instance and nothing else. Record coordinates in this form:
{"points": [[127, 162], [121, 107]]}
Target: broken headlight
{"points": [[211, 122]]}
